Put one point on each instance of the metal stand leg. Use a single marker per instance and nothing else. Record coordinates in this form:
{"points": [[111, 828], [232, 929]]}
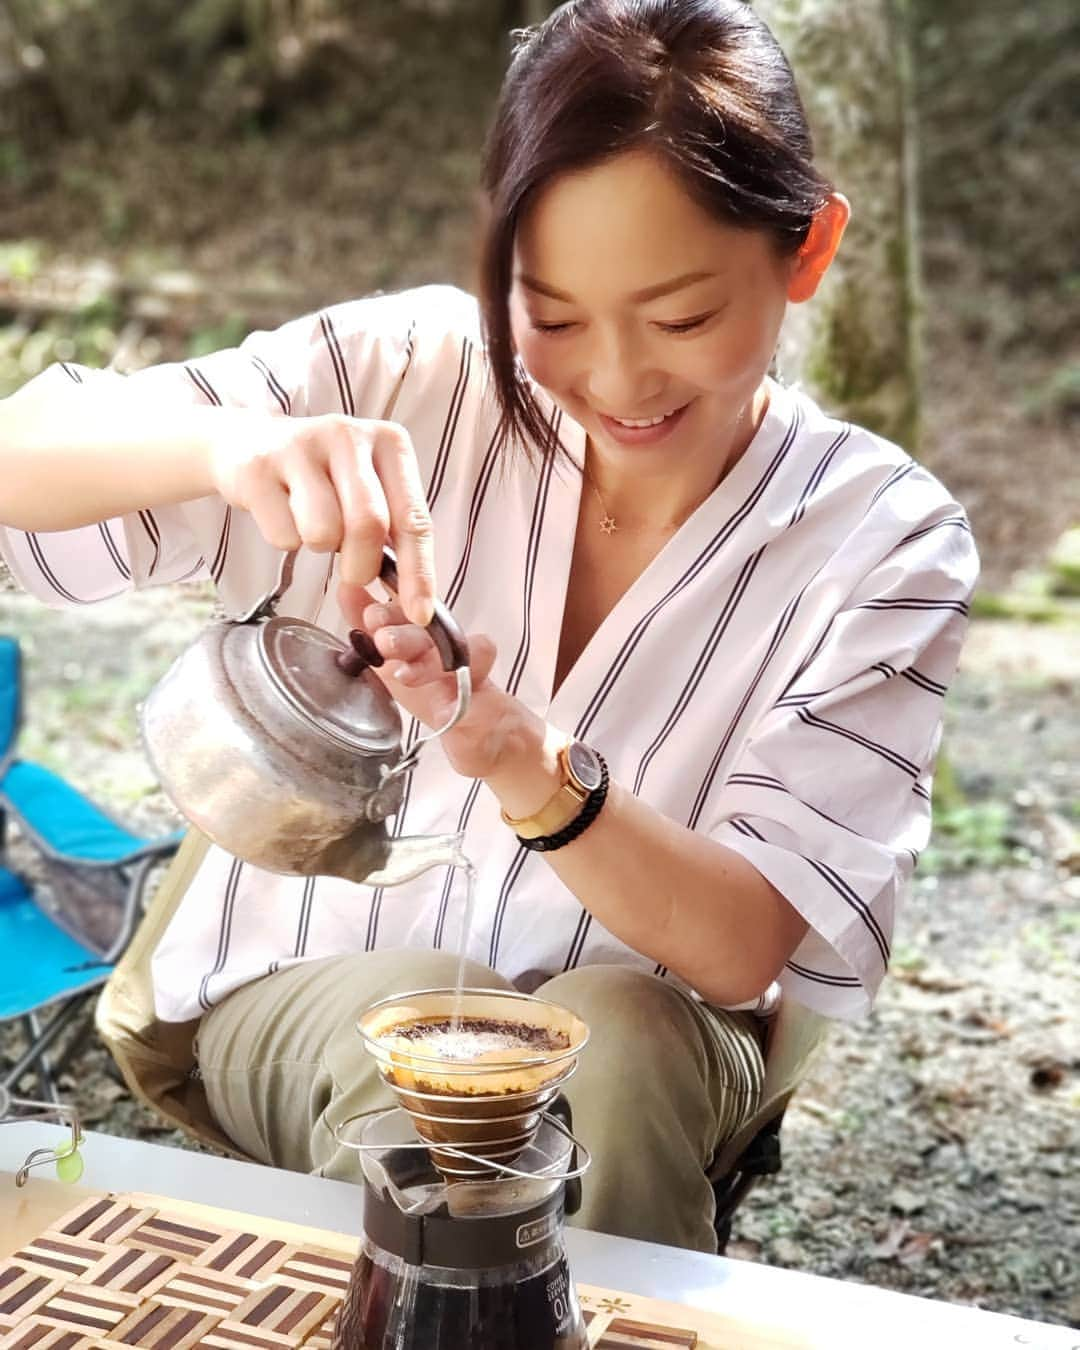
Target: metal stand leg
{"points": [[39, 1043], [46, 1081], [75, 1045]]}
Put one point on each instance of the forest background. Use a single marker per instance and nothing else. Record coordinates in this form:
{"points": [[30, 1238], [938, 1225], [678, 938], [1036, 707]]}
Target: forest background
{"points": [[172, 175]]}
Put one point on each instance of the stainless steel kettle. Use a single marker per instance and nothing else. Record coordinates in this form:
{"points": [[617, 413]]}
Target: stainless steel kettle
{"points": [[278, 742]]}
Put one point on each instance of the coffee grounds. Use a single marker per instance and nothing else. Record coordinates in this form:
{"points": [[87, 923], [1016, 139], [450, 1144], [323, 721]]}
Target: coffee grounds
{"points": [[469, 1036]]}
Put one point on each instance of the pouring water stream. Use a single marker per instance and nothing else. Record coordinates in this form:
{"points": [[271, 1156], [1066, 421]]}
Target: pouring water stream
{"points": [[463, 940]]}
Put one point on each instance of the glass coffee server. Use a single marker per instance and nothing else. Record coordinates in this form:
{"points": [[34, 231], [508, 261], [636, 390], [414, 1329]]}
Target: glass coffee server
{"points": [[468, 1181]]}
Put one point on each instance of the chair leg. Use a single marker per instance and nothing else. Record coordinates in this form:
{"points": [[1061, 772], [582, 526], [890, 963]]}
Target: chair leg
{"points": [[132, 912], [76, 1042], [41, 1040], [46, 1079], [725, 1214], [760, 1158]]}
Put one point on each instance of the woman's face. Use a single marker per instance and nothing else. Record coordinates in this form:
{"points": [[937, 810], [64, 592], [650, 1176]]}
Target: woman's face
{"points": [[649, 322]]}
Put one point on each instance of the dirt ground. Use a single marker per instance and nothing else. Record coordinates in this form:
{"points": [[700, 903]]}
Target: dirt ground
{"points": [[932, 1148]]}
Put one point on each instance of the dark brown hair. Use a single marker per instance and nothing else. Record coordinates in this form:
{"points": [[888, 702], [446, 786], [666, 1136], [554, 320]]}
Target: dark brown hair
{"points": [[702, 83]]}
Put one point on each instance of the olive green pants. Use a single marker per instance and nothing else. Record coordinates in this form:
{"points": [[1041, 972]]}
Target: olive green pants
{"points": [[662, 1083]]}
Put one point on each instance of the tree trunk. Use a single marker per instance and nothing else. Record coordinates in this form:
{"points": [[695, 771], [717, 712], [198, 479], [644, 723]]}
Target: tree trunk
{"points": [[856, 346]]}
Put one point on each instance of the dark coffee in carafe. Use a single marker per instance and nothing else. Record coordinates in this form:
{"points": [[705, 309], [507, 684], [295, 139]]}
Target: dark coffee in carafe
{"points": [[463, 1265], [529, 1306]]}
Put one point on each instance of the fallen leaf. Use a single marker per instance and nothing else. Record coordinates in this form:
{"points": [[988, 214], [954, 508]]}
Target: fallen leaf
{"points": [[905, 1201], [742, 1249], [978, 1018], [916, 1248], [934, 979], [891, 1243], [1048, 1074]]}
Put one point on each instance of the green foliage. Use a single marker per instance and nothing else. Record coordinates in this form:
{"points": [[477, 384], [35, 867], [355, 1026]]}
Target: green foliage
{"points": [[87, 337], [991, 605], [1057, 395], [976, 834], [212, 68], [999, 170], [230, 333], [102, 197], [1065, 564], [948, 794], [14, 164], [1044, 596], [20, 259]]}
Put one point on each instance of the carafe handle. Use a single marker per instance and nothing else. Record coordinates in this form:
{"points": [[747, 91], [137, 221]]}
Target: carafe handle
{"points": [[560, 1109]]}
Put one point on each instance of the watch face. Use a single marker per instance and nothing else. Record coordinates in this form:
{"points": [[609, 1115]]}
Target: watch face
{"points": [[584, 765]]}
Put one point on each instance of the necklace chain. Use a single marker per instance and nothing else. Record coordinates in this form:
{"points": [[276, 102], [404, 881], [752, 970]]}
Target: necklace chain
{"points": [[607, 522]]}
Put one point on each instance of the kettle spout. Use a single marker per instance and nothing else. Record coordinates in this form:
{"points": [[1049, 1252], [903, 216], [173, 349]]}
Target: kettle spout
{"points": [[415, 854], [389, 862]]}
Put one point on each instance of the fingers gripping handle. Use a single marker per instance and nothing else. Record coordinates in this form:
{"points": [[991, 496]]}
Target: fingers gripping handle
{"points": [[443, 629]]}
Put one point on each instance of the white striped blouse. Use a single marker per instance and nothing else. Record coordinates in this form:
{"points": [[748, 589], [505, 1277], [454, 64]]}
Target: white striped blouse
{"points": [[774, 679]]}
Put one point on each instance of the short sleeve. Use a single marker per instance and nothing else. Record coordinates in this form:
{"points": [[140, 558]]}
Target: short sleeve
{"points": [[95, 562], [830, 799], [347, 359]]}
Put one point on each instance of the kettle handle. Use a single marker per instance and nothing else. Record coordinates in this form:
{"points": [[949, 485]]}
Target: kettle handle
{"points": [[443, 629], [264, 607]]}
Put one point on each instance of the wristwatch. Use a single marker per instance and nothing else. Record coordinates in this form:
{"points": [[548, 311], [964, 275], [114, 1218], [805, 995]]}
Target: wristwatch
{"points": [[582, 773]]}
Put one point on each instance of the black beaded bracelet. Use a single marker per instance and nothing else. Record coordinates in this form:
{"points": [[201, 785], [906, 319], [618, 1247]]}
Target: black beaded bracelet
{"points": [[547, 843]]}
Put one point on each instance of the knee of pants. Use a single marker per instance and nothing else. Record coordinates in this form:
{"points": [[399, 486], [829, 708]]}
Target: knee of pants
{"points": [[407, 970], [638, 1025], [401, 972]]}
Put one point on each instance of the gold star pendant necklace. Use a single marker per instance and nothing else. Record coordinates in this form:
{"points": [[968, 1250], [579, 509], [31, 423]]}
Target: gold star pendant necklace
{"points": [[609, 526], [607, 520]]}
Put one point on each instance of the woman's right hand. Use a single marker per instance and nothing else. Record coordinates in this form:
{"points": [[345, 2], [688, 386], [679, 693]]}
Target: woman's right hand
{"points": [[333, 484]]}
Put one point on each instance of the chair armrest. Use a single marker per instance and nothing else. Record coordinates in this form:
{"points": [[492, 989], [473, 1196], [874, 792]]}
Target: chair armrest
{"points": [[66, 825]]}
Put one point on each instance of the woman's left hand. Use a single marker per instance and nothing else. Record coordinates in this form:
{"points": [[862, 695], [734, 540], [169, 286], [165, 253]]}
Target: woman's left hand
{"points": [[414, 675]]}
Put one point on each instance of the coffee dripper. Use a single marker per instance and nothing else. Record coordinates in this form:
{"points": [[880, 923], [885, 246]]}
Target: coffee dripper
{"points": [[465, 1192]]}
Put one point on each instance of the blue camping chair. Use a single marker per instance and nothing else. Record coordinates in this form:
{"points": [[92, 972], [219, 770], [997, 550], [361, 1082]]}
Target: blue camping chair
{"points": [[96, 870]]}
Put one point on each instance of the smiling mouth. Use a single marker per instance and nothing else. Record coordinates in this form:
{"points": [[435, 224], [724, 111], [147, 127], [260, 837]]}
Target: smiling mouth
{"points": [[638, 423], [642, 430], [634, 423]]}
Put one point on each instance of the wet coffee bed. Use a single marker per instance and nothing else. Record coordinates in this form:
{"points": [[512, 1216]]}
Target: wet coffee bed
{"points": [[464, 1037]]}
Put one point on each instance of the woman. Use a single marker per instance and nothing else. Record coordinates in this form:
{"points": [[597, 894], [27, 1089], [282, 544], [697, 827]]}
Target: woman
{"points": [[746, 610]]}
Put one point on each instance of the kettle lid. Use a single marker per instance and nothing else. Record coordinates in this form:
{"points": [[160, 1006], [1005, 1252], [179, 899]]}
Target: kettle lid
{"points": [[355, 711]]}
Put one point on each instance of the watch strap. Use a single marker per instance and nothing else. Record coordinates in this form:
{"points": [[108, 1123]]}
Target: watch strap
{"points": [[560, 810], [581, 822]]}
